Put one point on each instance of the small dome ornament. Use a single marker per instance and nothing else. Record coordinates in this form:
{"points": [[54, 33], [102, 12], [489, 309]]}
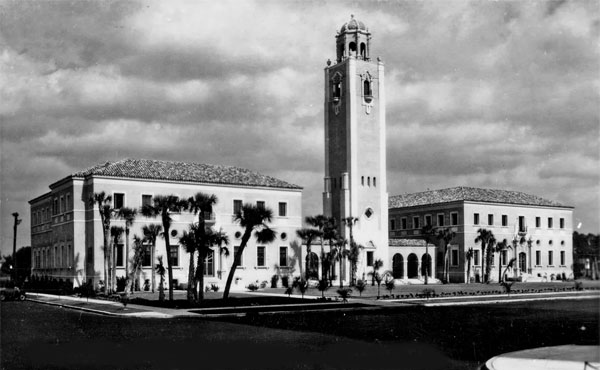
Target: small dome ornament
{"points": [[328, 62]]}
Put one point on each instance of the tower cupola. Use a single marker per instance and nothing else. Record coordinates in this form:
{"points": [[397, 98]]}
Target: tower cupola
{"points": [[352, 40]]}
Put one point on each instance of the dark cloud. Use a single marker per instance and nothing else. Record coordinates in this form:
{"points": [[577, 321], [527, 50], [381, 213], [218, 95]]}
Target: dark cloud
{"points": [[491, 94]]}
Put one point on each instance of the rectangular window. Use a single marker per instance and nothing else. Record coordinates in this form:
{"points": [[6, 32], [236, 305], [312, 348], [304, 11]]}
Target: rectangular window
{"points": [[370, 258], [375, 181], [538, 222], [55, 207], [504, 255], [146, 200], [235, 253], [282, 209], [440, 219], [118, 200], [538, 258], [174, 256], [260, 256], [522, 224], [260, 204], [550, 222], [392, 224], [490, 220], [504, 220], [146, 260], [550, 258], [237, 206], [68, 202], [120, 258], [209, 263], [475, 218], [283, 257], [562, 258], [562, 223], [416, 222], [428, 220], [62, 204], [476, 257], [454, 257], [403, 223], [454, 218]]}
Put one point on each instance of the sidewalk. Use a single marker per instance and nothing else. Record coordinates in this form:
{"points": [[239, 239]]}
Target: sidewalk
{"points": [[112, 308]]}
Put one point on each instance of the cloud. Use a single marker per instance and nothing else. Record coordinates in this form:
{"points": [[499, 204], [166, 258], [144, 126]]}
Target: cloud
{"points": [[491, 94]]}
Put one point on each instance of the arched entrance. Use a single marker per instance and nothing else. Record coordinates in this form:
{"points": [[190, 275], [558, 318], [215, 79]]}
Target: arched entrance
{"points": [[398, 266], [313, 266], [523, 261], [426, 265], [413, 266]]}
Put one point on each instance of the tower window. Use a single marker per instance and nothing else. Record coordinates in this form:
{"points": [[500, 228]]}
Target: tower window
{"points": [[352, 47], [363, 50], [375, 181], [367, 93], [362, 180], [337, 87], [369, 181]]}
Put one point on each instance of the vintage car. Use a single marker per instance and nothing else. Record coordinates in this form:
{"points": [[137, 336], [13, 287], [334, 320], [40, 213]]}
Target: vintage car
{"points": [[8, 291]]}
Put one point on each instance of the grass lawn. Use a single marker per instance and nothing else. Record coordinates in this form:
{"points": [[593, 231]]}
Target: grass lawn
{"points": [[469, 333]]}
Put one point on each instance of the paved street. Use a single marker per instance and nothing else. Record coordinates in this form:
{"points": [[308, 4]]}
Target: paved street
{"points": [[38, 336]]}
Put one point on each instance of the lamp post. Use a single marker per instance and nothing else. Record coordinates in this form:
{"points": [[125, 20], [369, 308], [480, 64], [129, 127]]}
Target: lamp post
{"points": [[14, 256]]}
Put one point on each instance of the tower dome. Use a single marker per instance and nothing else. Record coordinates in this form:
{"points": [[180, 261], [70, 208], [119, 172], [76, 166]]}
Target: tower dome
{"points": [[353, 25]]}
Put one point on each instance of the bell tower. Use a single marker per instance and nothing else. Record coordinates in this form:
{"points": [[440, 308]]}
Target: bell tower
{"points": [[355, 143]]}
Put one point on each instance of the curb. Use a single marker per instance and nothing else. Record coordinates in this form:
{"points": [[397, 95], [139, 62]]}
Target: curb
{"points": [[147, 314]]}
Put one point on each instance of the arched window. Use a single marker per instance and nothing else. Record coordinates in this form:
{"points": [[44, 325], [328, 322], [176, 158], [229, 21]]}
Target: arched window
{"points": [[375, 181], [363, 50], [336, 88], [352, 47], [362, 180], [369, 181]]}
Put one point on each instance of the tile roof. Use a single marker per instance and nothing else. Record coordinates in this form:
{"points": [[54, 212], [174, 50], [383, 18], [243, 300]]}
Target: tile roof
{"points": [[463, 193], [182, 171]]}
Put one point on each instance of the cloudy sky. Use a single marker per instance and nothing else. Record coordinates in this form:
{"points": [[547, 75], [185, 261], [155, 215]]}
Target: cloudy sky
{"points": [[489, 94]]}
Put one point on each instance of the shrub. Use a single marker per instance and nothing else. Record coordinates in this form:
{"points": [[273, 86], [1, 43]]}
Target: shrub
{"points": [[578, 285], [121, 283], [214, 287], [289, 290], [285, 281], [323, 286], [274, 281], [252, 287], [360, 286], [301, 285], [264, 284], [344, 293], [427, 292], [389, 285]]}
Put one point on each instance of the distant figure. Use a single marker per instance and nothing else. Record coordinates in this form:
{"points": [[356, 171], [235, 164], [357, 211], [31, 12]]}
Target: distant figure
{"points": [[545, 278]]}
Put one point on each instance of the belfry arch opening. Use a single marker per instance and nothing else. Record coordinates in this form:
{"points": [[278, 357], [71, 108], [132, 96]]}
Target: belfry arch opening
{"points": [[352, 48], [363, 50]]}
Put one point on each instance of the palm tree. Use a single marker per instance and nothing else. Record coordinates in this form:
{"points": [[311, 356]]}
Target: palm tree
{"points": [[151, 232], [139, 252], [469, 257], [339, 253], [220, 240], [252, 219], [353, 256], [164, 206], [430, 236], [308, 236], [376, 276], [330, 232], [500, 247], [127, 214], [377, 264], [487, 240], [115, 232], [106, 211], [319, 222], [160, 270], [201, 204], [191, 242], [446, 235]]}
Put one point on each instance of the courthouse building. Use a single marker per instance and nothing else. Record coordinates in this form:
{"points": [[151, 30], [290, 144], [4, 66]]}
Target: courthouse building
{"points": [[538, 231], [67, 236]]}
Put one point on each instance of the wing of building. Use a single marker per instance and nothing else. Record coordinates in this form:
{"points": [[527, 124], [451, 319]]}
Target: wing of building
{"points": [[67, 235], [537, 233]]}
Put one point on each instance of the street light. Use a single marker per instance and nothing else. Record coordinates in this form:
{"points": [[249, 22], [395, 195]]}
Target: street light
{"points": [[17, 222]]}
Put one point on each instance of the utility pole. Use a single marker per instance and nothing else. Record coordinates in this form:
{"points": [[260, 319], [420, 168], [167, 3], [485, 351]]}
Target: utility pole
{"points": [[14, 257]]}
